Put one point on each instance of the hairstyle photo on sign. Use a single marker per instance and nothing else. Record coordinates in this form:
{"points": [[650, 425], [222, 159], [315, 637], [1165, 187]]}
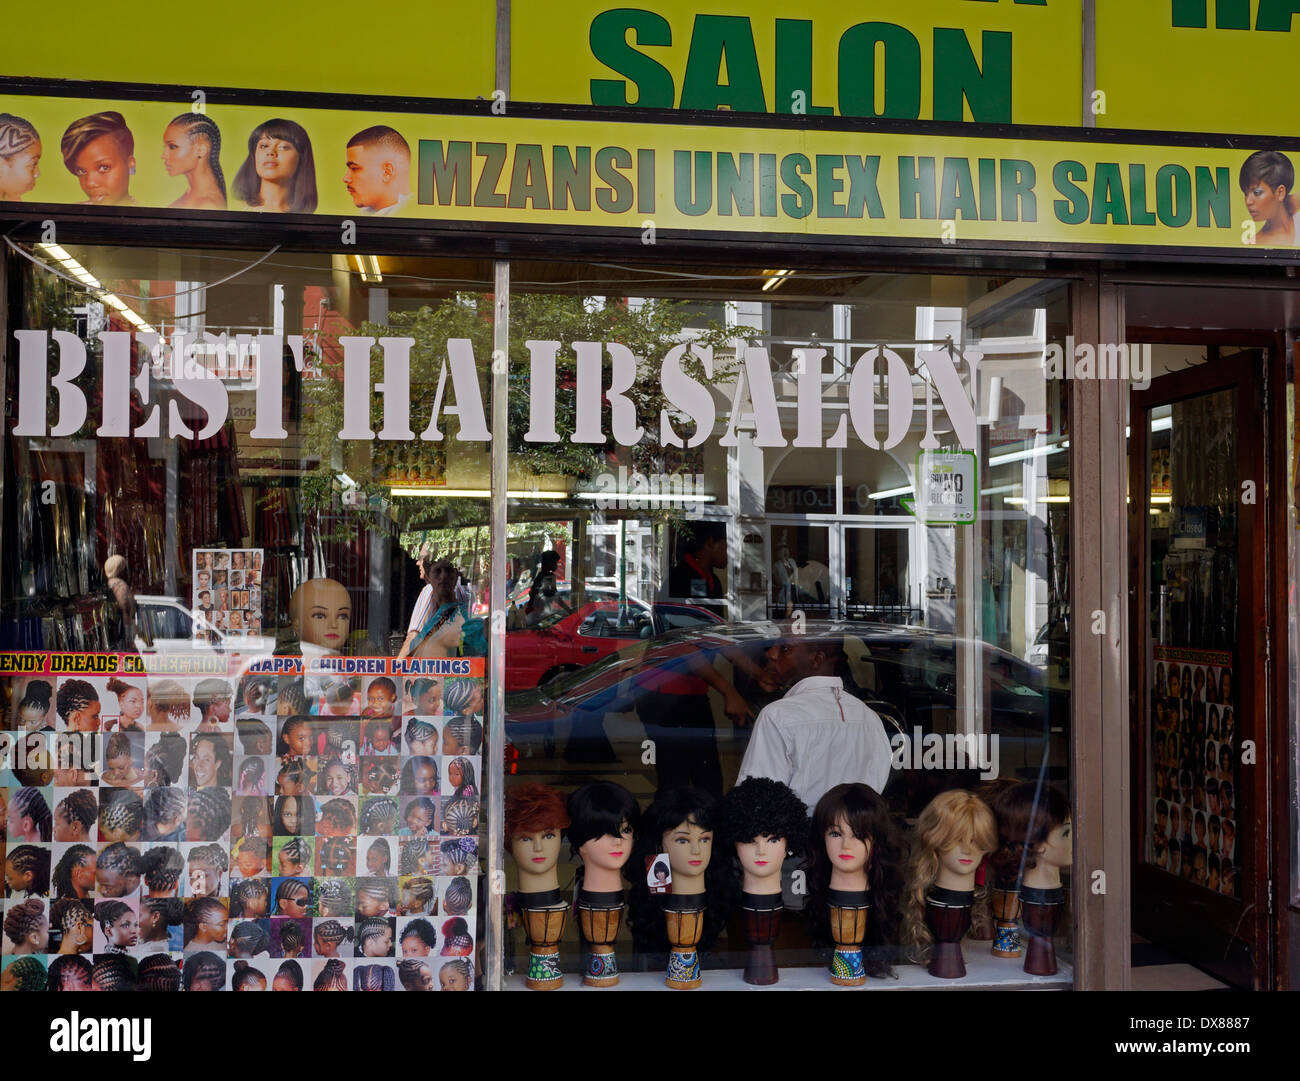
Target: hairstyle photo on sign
{"points": [[1267, 180], [377, 171], [99, 150], [20, 157], [279, 174], [192, 149]]}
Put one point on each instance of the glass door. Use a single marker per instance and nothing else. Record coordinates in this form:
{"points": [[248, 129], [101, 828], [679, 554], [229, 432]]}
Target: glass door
{"points": [[1197, 527]]}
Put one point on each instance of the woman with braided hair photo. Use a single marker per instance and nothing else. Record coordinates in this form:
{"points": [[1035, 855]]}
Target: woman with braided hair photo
{"points": [[158, 915], [460, 818], [249, 938], [27, 927], [458, 897], [294, 856], [288, 937], [121, 815], [211, 760], [457, 975], [250, 898], [168, 706], [330, 938], [24, 974], [416, 897], [117, 870], [78, 706], [418, 938], [421, 737], [334, 898], [336, 856], [331, 976], [461, 736], [165, 810], [378, 816], [75, 923], [161, 867], [192, 149], [29, 816], [75, 815], [208, 864], [164, 760], [158, 972], [418, 856], [205, 923], [456, 939], [208, 816], [247, 978], [292, 897], [373, 978], [416, 975], [74, 874], [27, 871], [119, 927], [70, 973], [113, 972], [288, 977], [375, 937], [203, 971], [461, 778]]}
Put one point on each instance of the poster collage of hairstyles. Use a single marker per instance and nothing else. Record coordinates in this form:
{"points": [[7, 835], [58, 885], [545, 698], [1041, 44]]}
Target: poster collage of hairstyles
{"points": [[1194, 763], [310, 827], [226, 595]]}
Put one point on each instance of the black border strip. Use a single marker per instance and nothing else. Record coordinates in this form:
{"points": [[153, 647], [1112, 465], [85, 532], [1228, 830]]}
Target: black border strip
{"points": [[122, 91]]}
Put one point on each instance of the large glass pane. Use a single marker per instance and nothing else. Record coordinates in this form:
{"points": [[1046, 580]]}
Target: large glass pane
{"points": [[209, 570], [869, 503]]}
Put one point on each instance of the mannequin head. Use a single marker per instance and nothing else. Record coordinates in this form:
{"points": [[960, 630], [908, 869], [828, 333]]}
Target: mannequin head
{"points": [[535, 817], [953, 835], [854, 840], [603, 821], [321, 611], [687, 816], [763, 821], [1034, 831]]}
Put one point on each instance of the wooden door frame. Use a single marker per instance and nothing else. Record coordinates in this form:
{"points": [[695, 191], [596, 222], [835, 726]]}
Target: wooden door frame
{"points": [[1260, 692]]}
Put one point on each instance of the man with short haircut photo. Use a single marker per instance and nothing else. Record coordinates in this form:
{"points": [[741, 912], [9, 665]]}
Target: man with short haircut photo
{"points": [[378, 175]]}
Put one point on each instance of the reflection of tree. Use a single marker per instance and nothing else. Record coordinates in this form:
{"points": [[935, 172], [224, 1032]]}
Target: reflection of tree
{"points": [[649, 331]]}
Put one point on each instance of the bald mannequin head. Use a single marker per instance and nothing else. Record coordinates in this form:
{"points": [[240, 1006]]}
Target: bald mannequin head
{"points": [[321, 611]]}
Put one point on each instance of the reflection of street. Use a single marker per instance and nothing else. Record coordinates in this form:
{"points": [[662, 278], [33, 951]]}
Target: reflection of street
{"points": [[627, 734]]}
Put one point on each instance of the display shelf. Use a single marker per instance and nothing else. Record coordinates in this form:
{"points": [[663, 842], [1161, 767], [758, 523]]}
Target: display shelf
{"points": [[983, 972]]}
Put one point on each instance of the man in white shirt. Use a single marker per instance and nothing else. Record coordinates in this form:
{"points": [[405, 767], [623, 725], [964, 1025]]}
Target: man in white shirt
{"points": [[819, 735]]}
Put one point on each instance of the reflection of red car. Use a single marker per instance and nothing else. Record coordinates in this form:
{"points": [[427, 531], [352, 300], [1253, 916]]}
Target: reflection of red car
{"points": [[566, 641]]}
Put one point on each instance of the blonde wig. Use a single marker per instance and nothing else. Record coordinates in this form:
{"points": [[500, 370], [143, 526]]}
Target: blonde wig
{"points": [[951, 818]]}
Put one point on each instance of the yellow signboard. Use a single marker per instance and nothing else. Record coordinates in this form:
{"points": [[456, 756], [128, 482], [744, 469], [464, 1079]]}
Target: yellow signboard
{"points": [[710, 178], [404, 48], [1188, 65], [996, 61]]}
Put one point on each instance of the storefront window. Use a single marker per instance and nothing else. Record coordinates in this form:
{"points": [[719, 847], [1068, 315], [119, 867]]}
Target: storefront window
{"points": [[264, 752], [870, 587]]}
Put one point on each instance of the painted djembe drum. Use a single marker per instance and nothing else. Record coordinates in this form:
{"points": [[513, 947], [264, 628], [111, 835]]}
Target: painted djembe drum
{"points": [[544, 916], [1006, 922], [599, 916], [1040, 910], [684, 916], [947, 915], [848, 911], [762, 918]]}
